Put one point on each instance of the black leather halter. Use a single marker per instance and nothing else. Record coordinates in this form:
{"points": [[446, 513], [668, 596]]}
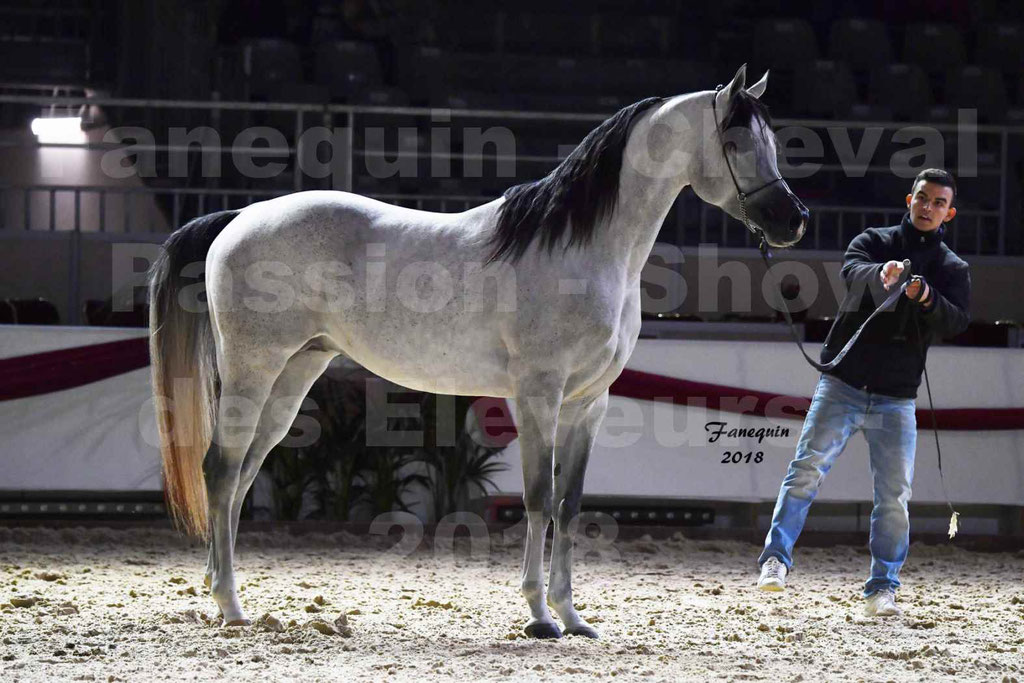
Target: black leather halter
{"points": [[740, 194]]}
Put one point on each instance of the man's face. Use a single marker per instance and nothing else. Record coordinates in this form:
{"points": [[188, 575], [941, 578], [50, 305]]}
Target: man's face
{"points": [[930, 205]]}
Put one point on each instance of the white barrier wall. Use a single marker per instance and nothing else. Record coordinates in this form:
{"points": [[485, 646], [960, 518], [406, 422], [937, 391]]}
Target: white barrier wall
{"points": [[85, 438], [100, 436], [647, 449]]}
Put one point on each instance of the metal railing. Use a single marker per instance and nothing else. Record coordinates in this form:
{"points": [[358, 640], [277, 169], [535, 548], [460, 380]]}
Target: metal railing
{"points": [[170, 200]]}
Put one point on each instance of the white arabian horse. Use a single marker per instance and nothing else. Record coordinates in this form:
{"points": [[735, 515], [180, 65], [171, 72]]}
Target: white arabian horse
{"points": [[534, 296]]}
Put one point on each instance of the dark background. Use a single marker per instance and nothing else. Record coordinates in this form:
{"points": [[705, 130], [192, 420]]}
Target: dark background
{"points": [[881, 61]]}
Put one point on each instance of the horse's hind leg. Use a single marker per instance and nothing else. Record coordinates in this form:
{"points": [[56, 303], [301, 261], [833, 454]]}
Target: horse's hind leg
{"points": [[246, 382], [537, 404], [277, 416], [579, 425]]}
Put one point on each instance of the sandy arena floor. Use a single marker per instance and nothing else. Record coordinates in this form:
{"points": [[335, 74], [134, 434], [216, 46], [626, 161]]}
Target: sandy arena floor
{"points": [[101, 605]]}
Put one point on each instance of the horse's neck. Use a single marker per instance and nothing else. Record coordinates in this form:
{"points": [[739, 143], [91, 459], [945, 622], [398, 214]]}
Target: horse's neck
{"points": [[658, 161]]}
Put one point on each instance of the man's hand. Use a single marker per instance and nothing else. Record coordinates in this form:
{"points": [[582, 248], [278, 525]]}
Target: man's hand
{"points": [[914, 289], [891, 272]]}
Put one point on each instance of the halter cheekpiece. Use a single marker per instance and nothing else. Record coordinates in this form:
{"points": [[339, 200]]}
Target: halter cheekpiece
{"points": [[741, 196]]}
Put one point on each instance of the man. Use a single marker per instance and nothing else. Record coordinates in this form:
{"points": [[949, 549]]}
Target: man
{"points": [[874, 386]]}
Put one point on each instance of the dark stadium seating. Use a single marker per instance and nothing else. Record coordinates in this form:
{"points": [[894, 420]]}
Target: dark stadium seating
{"points": [[303, 93], [904, 88], [57, 61], [381, 96], [890, 189], [1001, 46], [49, 42], [347, 67], [935, 47], [549, 34], [538, 55], [8, 316], [562, 102], [784, 43], [981, 88], [823, 89], [632, 35], [425, 71], [870, 111], [34, 312], [465, 27], [268, 62], [100, 313], [469, 99], [861, 44]]}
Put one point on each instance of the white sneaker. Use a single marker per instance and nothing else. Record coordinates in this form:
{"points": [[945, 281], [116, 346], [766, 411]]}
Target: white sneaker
{"points": [[773, 575], [882, 604]]}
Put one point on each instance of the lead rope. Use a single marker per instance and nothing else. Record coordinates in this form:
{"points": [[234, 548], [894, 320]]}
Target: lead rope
{"points": [[953, 514], [766, 254]]}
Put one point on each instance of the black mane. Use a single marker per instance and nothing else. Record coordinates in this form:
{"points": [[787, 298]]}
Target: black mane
{"points": [[742, 110], [581, 191]]}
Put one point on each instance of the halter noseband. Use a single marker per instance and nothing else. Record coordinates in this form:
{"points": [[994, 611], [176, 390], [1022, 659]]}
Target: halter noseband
{"points": [[740, 194]]}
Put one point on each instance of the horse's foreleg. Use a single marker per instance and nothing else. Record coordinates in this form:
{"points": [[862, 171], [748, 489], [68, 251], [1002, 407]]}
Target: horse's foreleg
{"points": [[580, 429], [537, 404]]}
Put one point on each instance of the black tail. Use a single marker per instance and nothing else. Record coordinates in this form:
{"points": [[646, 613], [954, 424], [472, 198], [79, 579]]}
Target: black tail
{"points": [[184, 368], [193, 240]]}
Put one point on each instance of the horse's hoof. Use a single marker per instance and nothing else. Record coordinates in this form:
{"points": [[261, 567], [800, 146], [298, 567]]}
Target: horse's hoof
{"points": [[237, 622], [582, 630], [542, 629]]}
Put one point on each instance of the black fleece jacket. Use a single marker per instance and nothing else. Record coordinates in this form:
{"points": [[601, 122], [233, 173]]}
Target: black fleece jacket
{"points": [[888, 357]]}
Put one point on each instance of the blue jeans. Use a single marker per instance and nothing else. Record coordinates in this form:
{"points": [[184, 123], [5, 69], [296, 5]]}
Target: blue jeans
{"points": [[837, 411]]}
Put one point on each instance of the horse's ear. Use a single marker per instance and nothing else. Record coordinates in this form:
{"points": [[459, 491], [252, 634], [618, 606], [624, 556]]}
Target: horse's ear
{"points": [[758, 88], [735, 85]]}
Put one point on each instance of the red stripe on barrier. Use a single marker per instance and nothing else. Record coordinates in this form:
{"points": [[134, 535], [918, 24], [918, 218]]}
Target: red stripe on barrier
{"points": [[45, 373], [496, 421], [649, 387]]}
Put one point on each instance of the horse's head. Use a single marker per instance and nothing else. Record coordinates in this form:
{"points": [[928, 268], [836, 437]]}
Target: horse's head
{"points": [[740, 173]]}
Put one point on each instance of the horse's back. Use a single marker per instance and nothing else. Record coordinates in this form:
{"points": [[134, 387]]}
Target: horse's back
{"points": [[316, 220], [397, 290]]}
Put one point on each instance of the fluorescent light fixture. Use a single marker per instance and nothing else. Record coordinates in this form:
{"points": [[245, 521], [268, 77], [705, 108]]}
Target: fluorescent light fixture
{"points": [[59, 130]]}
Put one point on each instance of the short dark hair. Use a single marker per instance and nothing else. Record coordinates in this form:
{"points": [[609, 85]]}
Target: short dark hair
{"points": [[937, 176]]}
